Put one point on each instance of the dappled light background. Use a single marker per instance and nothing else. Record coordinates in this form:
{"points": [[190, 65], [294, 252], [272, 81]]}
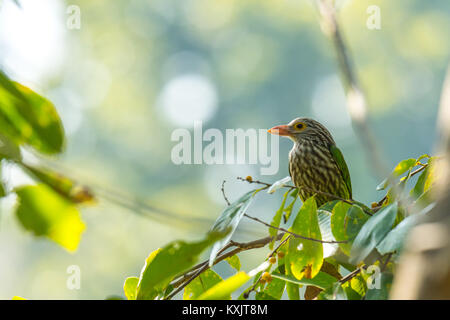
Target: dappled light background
{"points": [[137, 70]]}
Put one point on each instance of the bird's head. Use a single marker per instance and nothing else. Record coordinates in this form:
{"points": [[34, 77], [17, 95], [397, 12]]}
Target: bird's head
{"points": [[303, 129]]}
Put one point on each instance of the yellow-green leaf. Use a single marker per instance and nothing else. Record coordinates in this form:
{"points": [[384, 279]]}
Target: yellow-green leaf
{"points": [[322, 280], [234, 262], [400, 168], [202, 283], [305, 257], [8, 149], [229, 220], [130, 287], [166, 263], [222, 290], [46, 213], [28, 118]]}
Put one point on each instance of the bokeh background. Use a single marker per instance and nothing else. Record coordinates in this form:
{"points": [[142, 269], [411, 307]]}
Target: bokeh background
{"points": [[137, 70]]}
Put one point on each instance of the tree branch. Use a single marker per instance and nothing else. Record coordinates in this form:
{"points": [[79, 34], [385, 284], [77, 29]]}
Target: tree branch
{"points": [[187, 278], [356, 101]]}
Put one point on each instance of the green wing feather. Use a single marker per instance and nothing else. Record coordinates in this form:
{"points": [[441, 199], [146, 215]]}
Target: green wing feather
{"points": [[342, 165]]}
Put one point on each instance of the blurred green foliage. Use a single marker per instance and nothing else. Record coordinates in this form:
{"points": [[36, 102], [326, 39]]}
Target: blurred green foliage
{"points": [[268, 62], [31, 120]]}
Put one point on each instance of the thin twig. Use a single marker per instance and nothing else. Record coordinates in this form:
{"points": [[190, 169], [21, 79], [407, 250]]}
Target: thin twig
{"points": [[279, 246], [380, 203], [189, 280], [290, 232], [335, 197], [223, 193], [385, 263], [253, 288]]}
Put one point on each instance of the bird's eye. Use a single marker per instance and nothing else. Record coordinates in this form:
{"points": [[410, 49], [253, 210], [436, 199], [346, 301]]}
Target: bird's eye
{"points": [[299, 125]]}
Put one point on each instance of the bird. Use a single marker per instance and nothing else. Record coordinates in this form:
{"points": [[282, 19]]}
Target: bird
{"points": [[316, 165]]}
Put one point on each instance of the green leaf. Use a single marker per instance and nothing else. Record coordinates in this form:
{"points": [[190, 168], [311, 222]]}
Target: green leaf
{"points": [[395, 239], [278, 184], [420, 192], [288, 209], [334, 292], [400, 168], [382, 292], [45, 213], [229, 220], [114, 297], [305, 257], [322, 280], [8, 149], [419, 187], [164, 264], [292, 289], [2, 187], [324, 218], [403, 166], [356, 288], [130, 287], [264, 296], [425, 199], [234, 262], [202, 283], [223, 289], [2, 190], [356, 218], [277, 220], [329, 205], [350, 293], [28, 118], [373, 232], [276, 287], [338, 223]]}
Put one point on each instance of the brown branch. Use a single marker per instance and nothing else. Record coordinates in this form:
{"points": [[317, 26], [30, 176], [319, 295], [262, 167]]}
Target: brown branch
{"points": [[279, 246], [187, 278], [351, 275], [356, 101]]}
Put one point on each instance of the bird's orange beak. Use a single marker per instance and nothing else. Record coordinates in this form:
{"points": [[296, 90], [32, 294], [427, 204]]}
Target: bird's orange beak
{"points": [[283, 130]]}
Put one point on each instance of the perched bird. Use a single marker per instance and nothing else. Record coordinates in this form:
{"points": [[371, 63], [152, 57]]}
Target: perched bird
{"points": [[317, 167]]}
